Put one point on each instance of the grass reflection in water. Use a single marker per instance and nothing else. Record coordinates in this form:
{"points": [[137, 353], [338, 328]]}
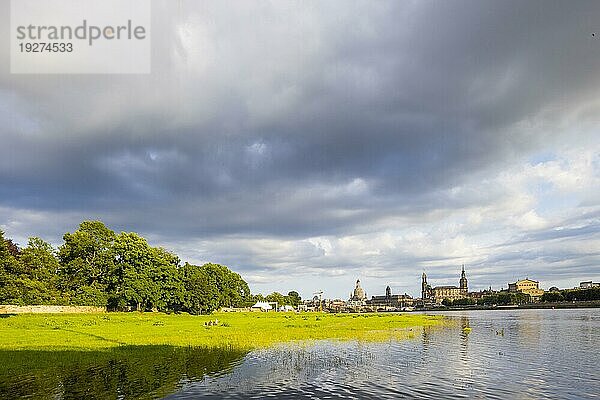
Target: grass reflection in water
{"points": [[122, 372]]}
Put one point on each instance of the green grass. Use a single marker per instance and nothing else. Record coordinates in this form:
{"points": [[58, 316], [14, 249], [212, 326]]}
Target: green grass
{"points": [[146, 355], [244, 331]]}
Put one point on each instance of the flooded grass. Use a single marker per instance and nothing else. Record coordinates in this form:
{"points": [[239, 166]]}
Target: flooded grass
{"points": [[243, 331], [149, 355], [123, 372]]}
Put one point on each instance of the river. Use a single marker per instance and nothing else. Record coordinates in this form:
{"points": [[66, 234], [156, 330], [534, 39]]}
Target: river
{"points": [[507, 354], [503, 354]]}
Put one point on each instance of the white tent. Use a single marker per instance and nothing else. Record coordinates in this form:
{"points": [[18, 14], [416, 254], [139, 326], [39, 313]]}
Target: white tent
{"points": [[264, 306]]}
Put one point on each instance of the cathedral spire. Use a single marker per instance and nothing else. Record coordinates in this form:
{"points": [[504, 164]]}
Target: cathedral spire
{"points": [[425, 289], [463, 279]]}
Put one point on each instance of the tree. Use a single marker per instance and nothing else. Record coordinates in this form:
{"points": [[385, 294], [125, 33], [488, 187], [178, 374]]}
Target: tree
{"points": [[8, 262], [39, 261], [13, 248], [293, 298], [144, 277], [276, 297], [581, 294], [39, 279], [87, 262], [552, 297], [95, 266], [10, 271], [520, 298], [257, 298], [201, 294], [504, 298], [463, 302], [212, 286], [167, 274]]}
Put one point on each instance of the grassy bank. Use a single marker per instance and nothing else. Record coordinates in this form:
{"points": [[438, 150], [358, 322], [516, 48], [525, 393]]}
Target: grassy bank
{"points": [[233, 330]]}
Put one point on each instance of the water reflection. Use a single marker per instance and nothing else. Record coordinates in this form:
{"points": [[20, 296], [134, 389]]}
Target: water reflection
{"points": [[521, 354], [124, 372]]}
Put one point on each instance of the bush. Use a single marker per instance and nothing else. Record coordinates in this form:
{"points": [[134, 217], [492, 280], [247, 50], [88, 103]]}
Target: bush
{"points": [[464, 302]]}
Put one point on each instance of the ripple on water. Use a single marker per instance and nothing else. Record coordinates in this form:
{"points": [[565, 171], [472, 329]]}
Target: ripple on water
{"points": [[525, 354]]}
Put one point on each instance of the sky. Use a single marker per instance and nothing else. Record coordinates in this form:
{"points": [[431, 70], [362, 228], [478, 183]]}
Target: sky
{"points": [[307, 144]]}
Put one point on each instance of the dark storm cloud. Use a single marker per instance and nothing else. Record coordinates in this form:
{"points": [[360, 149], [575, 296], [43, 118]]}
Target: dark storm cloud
{"points": [[301, 119]]}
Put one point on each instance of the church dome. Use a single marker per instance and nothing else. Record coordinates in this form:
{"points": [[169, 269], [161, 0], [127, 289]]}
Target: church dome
{"points": [[359, 292]]}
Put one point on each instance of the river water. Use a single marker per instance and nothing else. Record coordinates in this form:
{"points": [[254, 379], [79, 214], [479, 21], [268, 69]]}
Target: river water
{"points": [[506, 354]]}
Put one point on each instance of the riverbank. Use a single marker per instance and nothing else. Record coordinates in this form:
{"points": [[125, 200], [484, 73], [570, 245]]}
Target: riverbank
{"points": [[527, 306], [221, 330]]}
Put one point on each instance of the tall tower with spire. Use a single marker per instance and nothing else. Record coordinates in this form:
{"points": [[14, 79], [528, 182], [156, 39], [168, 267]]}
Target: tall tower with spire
{"points": [[425, 288], [463, 281]]}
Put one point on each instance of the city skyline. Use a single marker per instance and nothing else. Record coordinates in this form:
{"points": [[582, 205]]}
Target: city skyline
{"points": [[315, 145]]}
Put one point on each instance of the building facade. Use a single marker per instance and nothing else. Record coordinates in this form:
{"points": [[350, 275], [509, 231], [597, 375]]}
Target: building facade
{"points": [[439, 293], [527, 286], [391, 301], [588, 285]]}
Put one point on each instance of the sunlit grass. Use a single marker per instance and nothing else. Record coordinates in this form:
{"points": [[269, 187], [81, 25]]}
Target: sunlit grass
{"points": [[234, 330]]}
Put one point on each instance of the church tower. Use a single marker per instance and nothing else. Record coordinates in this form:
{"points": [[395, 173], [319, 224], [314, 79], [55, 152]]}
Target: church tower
{"points": [[463, 281], [424, 287]]}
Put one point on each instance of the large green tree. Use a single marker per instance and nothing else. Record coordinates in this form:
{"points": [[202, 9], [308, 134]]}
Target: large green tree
{"points": [[211, 286], [40, 279], [32, 277], [39, 260], [293, 298], [201, 294], [10, 270], [168, 274], [87, 262], [276, 297], [144, 278]]}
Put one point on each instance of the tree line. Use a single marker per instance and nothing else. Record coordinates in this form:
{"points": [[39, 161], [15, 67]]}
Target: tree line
{"points": [[97, 267], [587, 294]]}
